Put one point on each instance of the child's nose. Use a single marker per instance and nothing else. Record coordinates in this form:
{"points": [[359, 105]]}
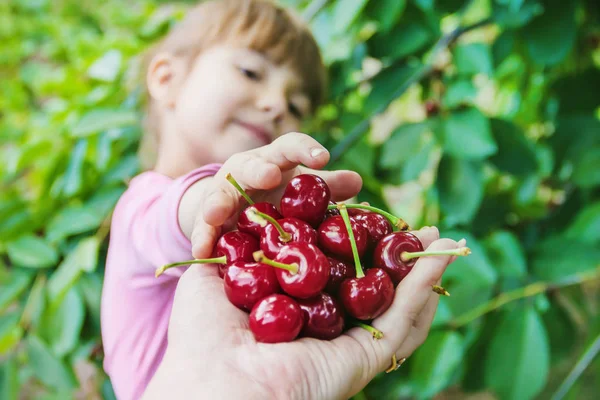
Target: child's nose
{"points": [[275, 108]]}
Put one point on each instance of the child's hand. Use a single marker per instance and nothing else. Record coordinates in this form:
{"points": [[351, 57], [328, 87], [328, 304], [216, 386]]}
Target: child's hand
{"points": [[269, 168]]}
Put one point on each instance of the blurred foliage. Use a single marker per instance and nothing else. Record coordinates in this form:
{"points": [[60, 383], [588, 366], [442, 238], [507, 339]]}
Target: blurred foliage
{"points": [[480, 117]]}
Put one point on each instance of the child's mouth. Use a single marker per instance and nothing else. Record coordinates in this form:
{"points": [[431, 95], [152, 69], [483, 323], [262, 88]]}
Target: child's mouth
{"points": [[257, 131]]}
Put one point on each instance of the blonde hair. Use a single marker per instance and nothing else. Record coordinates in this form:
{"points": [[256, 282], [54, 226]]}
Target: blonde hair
{"points": [[260, 25]]}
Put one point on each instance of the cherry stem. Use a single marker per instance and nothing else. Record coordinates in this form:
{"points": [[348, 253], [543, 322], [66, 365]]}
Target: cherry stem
{"points": [[261, 218], [346, 218], [231, 180], [395, 221], [216, 260], [461, 251], [259, 256], [440, 290], [377, 334], [392, 367]]}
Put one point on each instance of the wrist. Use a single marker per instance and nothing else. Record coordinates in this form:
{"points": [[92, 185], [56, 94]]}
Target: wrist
{"points": [[178, 377]]}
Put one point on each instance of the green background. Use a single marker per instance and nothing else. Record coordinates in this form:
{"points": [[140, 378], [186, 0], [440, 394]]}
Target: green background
{"points": [[480, 117]]}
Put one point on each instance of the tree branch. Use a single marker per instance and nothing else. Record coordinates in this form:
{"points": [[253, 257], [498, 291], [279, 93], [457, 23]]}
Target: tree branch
{"points": [[443, 43], [521, 293], [578, 369], [313, 9]]}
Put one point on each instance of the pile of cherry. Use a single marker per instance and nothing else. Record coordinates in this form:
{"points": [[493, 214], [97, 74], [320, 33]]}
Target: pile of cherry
{"points": [[299, 270]]}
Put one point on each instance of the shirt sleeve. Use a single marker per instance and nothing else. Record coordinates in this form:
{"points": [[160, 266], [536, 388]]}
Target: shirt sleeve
{"points": [[152, 223]]}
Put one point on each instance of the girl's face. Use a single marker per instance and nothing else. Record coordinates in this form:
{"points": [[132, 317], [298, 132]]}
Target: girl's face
{"points": [[234, 99]]}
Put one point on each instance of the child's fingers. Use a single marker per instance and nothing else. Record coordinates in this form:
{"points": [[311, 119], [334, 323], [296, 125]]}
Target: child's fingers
{"points": [[343, 184], [250, 172], [203, 238], [293, 149]]}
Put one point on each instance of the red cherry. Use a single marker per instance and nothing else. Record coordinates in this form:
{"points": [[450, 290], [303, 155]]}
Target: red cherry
{"points": [[397, 252], [377, 225], [334, 239], [245, 223], [276, 318], [235, 245], [368, 297], [306, 197], [323, 317], [338, 272], [248, 282], [387, 254], [271, 241], [302, 269]]}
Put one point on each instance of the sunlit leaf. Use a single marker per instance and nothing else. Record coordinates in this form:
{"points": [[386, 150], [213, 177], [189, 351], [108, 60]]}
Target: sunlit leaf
{"points": [[32, 252], [84, 258], [62, 323], [467, 134], [51, 370], [99, 120]]}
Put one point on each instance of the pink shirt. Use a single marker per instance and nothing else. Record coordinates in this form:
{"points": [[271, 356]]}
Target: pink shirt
{"points": [[136, 306]]}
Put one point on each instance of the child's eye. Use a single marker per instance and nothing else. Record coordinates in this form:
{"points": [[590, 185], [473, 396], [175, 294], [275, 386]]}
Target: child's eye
{"points": [[250, 74], [295, 111]]}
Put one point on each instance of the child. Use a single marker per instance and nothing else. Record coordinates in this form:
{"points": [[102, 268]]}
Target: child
{"points": [[224, 88]]}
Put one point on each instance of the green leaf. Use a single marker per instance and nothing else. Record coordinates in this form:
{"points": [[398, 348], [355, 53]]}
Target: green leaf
{"points": [[503, 47], [9, 379], [11, 332], [576, 92], [471, 279], [506, 254], [62, 323], [32, 252], [401, 41], [518, 361], [36, 303], [460, 185], [473, 58], [512, 17], [467, 134], [435, 363], [104, 200], [403, 143], [586, 226], [386, 12], [385, 85], [107, 67], [84, 258], [516, 154], [459, 92], [90, 285], [345, 12], [13, 285], [99, 120], [560, 257], [551, 46], [586, 171], [73, 178], [52, 371], [124, 170], [72, 220]]}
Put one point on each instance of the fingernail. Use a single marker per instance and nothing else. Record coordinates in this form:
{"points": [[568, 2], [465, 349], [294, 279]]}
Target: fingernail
{"points": [[317, 152]]}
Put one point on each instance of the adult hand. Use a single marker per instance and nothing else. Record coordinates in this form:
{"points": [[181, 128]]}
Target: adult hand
{"points": [[213, 354]]}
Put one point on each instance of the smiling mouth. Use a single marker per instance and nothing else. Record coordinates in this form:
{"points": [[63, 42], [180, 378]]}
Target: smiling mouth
{"points": [[257, 131]]}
